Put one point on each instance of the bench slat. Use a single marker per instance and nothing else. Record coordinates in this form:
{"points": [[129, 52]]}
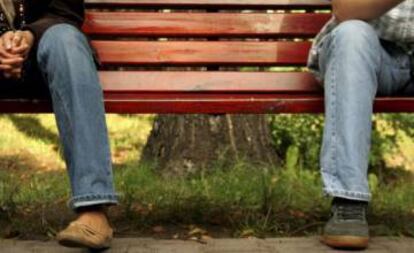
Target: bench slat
{"points": [[200, 53], [300, 4], [254, 103], [239, 104], [132, 82], [148, 92], [204, 24]]}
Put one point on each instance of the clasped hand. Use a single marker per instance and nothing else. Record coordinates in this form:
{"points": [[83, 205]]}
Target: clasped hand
{"points": [[14, 50]]}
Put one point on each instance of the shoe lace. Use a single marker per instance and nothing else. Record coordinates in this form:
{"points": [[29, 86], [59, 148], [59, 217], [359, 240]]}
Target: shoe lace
{"points": [[350, 212]]}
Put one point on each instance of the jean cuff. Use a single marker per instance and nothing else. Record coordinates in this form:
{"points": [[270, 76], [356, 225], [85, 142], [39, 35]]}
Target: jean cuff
{"points": [[93, 199], [352, 195]]}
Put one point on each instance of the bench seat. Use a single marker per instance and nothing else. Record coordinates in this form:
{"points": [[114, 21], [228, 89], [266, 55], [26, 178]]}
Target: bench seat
{"points": [[213, 60]]}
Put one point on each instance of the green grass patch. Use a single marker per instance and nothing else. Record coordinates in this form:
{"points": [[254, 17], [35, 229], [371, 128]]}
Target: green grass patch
{"points": [[238, 201], [261, 201]]}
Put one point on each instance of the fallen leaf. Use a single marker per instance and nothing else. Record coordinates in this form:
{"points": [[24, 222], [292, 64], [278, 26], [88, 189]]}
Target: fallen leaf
{"points": [[158, 229], [247, 233], [197, 232]]}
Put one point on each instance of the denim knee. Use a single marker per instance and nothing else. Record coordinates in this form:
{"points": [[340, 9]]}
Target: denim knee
{"points": [[63, 46], [64, 53], [357, 38], [353, 45], [61, 38]]}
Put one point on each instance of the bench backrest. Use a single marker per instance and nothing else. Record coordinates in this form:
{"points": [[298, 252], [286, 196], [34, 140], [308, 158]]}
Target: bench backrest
{"points": [[205, 56], [193, 50], [134, 33], [212, 41]]}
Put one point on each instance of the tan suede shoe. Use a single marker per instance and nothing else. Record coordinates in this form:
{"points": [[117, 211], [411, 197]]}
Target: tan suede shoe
{"points": [[80, 235]]}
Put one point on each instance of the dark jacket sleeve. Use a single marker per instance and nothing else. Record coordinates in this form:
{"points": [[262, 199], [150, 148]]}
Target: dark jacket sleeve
{"points": [[57, 12]]}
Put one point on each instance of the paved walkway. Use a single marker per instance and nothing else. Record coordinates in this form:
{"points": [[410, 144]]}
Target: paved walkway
{"points": [[142, 245]]}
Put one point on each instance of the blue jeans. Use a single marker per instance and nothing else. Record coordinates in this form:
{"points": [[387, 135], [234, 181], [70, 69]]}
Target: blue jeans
{"points": [[65, 60], [356, 66]]}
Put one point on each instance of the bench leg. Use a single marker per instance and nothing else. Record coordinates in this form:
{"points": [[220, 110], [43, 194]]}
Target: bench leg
{"points": [[66, 61], [356, 67]]}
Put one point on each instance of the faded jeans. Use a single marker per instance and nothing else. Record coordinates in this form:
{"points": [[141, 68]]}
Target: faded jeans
{"points": [[356, 66], [65, 61]]}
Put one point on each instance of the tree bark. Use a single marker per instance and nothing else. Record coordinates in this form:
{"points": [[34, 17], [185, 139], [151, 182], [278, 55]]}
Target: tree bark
{"points": [[185, 144]]}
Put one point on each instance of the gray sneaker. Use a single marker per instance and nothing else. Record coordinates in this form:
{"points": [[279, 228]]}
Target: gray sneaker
{"points": [[348, 227]]}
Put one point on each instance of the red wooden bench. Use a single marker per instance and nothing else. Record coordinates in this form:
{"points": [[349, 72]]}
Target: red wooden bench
{"points": [[137, 39]]}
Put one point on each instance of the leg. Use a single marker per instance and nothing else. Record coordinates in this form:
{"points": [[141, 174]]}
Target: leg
{"points": [[66, 62], [65, 59], [356, 66]]}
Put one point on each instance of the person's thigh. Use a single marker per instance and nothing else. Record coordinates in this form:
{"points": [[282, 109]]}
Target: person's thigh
{"points": [[394, 77]]}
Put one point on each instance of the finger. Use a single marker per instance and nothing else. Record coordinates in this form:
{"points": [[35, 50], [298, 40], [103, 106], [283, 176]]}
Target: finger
{"points": [[12, 61], [7, 40], [5, 54], [16, 73], [10, 69], [20, 50], [17, 39], [13, 72], [5, 67]]}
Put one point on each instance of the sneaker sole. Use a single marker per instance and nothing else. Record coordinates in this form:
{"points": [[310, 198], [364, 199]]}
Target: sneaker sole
{"points": [[346, 241], [73, 243]]}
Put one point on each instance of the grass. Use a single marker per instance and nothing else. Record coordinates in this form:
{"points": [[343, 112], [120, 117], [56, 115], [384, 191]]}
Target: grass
{"points": [[239, 201]]}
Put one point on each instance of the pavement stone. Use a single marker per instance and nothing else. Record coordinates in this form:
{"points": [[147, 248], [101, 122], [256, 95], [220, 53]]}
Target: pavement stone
{"points": [[251, 245]]}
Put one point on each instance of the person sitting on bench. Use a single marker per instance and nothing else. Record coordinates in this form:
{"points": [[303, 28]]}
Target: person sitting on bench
{"points": [[41, 43], [365, 50]]}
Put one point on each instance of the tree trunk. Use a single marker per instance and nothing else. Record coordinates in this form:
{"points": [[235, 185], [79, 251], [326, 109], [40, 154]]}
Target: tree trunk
{"points": [[186, 144]]}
